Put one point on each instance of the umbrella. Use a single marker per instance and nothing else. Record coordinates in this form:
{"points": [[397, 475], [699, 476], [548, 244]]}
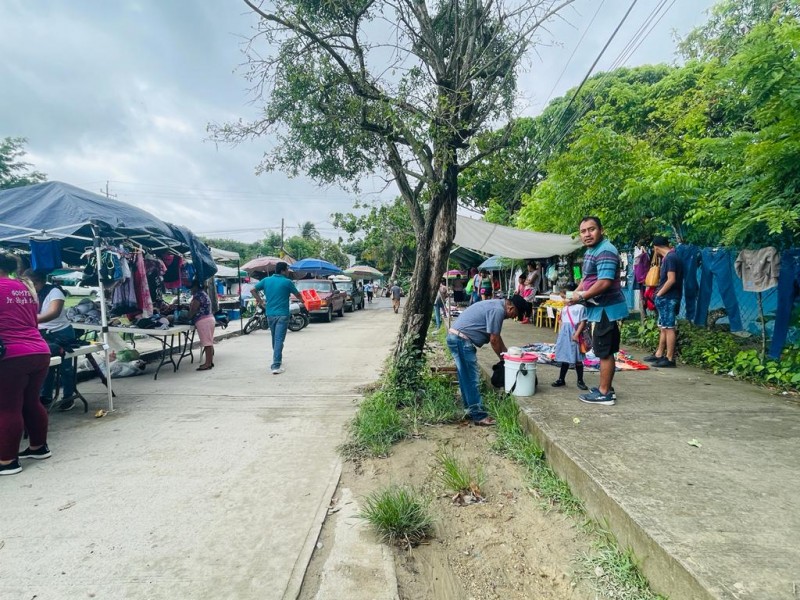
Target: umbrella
{"points": [[262, 264], [314, 266], [452, 273], [496, 263], [363, 271]]}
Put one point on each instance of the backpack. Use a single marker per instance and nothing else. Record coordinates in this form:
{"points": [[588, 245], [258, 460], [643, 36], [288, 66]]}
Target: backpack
{"points": [[470, 285]]}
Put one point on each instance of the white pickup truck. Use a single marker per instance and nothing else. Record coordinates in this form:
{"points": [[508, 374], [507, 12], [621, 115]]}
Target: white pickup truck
{"points": [[81, 290]]}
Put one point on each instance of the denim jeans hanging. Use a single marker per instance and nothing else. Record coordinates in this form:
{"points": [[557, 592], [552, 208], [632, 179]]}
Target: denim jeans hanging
{"points": [[689, 256], [788, 294], [717, 265]]}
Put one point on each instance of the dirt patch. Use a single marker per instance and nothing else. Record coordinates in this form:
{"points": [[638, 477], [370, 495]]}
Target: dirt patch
{"points": [[507, 547]]}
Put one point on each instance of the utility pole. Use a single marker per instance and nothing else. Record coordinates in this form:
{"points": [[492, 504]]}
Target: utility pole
{"points": [[283, 252], [107, 193]]}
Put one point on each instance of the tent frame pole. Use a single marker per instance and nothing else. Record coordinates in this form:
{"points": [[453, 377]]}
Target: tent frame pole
{"points": [[103, 315]]}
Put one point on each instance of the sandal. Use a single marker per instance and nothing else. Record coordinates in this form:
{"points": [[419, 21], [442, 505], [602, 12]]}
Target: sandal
{"points": [[205, 368], [485, 422]]}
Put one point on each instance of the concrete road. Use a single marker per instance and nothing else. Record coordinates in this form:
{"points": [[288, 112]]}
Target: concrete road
{"points": [[201, 484]]}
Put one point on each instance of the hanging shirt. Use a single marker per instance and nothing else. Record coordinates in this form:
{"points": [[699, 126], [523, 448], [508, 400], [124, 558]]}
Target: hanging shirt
{"points": [[758, 269], [45, 255]]}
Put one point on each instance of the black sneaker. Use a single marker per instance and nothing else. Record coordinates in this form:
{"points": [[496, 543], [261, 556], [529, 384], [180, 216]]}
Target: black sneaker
{"points": [[611, 392], [664, 363], [67, 404], [11, 468], [39, 454], [652, 358], [596, 397], [559, 383], [582, 386]]}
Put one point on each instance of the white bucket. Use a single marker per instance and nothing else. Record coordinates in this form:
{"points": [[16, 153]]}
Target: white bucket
{"points": [[523, 373]]}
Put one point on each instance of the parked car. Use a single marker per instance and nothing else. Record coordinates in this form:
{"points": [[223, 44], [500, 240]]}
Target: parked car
{"points": [[354, 299], [333, 299], [81, 290]]}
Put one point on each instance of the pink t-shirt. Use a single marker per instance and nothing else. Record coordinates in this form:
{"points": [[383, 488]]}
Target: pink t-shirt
{"points": [[19, 329]]}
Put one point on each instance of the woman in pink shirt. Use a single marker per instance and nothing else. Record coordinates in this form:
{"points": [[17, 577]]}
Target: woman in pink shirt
{"points": [[23, 367]]}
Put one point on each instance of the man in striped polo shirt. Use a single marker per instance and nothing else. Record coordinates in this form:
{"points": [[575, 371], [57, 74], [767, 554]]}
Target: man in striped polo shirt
{"points": [[601, 291]]}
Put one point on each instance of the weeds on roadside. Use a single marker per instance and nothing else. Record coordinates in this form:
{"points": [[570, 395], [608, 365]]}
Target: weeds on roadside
{"points": [[458, 477], [376, 426], [399, 514]]}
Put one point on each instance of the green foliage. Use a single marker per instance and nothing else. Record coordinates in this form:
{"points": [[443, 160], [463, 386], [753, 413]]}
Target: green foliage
{"points": [[712, 350], [399, 514], [457, 477], [377, 425], [407, 371], [642, 333], [14, 171], [783, 373]]}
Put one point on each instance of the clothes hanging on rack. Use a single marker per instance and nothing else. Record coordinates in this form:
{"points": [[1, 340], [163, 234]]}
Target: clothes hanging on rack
{"points": [[788, 295], [758, 269], [143, 300], [689, 256], [172, 274], [717, 265], [641, 264]]}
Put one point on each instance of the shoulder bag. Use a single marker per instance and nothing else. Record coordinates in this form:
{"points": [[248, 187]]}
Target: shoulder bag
{"points": [[654, 274]]}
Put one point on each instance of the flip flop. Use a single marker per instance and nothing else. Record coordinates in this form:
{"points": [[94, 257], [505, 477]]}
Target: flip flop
{"points": [[205, 368], [485, 422]]}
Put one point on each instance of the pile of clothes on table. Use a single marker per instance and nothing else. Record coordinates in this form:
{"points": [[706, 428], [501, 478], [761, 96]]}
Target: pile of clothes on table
{"points": [[547, 356]]}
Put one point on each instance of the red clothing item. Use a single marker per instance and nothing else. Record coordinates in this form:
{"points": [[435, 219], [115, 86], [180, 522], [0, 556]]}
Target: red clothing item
{"points": [[19, 329]]}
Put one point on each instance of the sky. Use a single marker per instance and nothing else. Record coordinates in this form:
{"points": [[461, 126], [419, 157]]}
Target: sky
{"points": [[118, 95]]}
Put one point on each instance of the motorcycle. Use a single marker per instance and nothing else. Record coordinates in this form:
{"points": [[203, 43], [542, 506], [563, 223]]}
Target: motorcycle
{"points": [[298, 318]]}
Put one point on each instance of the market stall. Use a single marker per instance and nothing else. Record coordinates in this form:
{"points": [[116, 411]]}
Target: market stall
{"points": [[58, 222]]}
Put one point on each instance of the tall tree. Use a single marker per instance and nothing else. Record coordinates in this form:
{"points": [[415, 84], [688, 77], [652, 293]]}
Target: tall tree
{"points": [[347, 97], [14, 171]]}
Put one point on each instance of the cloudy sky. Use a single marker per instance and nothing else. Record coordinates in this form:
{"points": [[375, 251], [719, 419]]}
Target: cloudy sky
{"points": [[121, 92]]}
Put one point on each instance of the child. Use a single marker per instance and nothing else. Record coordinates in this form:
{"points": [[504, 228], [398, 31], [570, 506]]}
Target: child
{"points": [[524, 291], [568, 351]]}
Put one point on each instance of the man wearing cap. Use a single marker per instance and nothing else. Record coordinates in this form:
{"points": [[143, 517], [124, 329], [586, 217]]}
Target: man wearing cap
{"points": [[601, 290], [668, 302], [478, 324]]}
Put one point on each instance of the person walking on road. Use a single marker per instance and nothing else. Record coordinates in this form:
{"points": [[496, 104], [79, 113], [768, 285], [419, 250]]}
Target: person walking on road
{"points": [[368, 290], [601, 291], [480, 323], [396, 292], [276, 291], [667, 301]]}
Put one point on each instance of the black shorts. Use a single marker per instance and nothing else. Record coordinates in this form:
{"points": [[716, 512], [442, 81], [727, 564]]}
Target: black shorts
{"points": [[605, 337]]}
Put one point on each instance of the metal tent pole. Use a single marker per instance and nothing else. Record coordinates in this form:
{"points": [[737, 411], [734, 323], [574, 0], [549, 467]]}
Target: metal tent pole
{"points": [[239, 277], [103, 315]]}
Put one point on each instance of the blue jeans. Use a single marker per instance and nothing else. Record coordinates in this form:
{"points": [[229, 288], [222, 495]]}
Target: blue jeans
{"points": [[689, 256], [465, 355], [64, 337], [437, 313], [788, 293], [717, 264], [278, 326]]}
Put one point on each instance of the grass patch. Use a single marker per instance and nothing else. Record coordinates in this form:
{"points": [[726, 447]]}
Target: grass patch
{"points": [[614, 573], [377, 425], [399, 514], [458, 477]]}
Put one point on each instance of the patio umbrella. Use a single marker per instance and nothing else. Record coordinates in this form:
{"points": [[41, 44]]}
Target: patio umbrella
{"points": [[452, 273], [496, 263], [363, 271], [314, 266], [262, 264]]}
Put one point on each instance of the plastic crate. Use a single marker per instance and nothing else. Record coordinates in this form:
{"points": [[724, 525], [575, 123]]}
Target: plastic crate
{"points": [[234, 314], [311, 299]]}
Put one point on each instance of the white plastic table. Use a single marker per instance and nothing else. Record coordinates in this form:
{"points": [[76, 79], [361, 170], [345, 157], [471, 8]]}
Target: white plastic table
{"points": [[73, 355]]}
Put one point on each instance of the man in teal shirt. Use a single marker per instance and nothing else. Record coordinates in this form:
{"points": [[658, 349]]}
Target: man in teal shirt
{"points": [[276, 291]]}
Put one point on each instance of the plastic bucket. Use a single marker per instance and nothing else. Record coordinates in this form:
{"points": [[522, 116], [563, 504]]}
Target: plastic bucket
{"points": [[521, 373], [234, 314]]}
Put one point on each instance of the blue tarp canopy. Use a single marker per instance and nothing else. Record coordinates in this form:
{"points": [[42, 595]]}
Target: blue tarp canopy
{"points": [[65, 212]]}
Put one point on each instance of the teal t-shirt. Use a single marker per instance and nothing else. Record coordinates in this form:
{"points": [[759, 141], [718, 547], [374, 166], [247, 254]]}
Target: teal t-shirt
{"points": [[276, 290]]}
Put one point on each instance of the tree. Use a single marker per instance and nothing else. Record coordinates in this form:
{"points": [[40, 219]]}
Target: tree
{"points": [[346, 98], [308, 231], [14, 172]]}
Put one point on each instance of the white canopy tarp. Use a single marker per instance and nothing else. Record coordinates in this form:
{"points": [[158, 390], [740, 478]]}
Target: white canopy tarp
{"points": [[224, 272], [223, 255], [509, 242]]}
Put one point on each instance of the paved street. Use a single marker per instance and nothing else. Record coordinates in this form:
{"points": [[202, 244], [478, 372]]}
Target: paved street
{"points": [[199, 485]]}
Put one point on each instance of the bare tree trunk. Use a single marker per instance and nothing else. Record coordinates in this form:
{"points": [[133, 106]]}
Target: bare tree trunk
{"points": [[398, 257]]}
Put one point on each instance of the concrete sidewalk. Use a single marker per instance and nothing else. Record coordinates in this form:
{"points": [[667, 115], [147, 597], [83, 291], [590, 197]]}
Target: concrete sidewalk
{"points": [[717, 521], [200, 484]]}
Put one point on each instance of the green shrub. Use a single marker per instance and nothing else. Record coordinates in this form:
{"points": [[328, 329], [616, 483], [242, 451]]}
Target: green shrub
{"points": [[642, 333], [398, 513], [377, 425], [438, 401], [458, 477]]}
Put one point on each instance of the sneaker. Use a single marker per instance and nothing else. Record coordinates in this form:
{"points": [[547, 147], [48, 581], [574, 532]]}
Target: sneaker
{"points": [[559, 383], [664, 363], [278, 370], [652, 358], [67, 404], [582, 386], [11, 468], [40, 454], [611, 392], [46, 402], [596, 397]]}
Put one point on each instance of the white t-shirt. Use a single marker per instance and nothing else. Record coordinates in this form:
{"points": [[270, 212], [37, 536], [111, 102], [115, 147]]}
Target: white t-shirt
{"points": [[61, 321], [573, 314]]}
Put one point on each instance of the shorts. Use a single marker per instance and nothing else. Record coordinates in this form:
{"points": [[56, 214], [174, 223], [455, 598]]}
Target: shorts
{"points": [[667, 312], [205, 330], [605, 337], [486, 291]]}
